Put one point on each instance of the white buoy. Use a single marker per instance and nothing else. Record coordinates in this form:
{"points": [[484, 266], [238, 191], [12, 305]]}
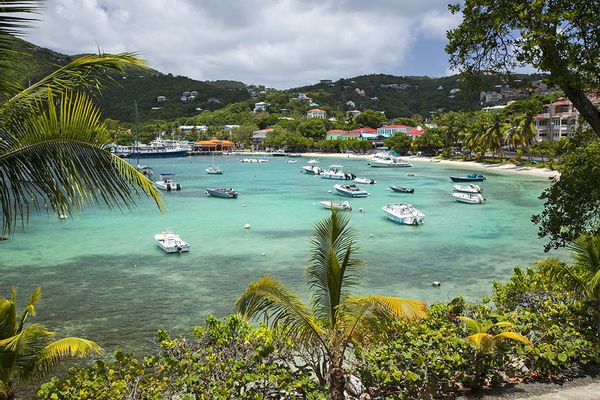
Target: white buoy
{"points": [[264, 254], [62, 216], [247, 226], [371, 235], [436, 284], [314, 204], [244, 205], [361, 210], [329, 191]]}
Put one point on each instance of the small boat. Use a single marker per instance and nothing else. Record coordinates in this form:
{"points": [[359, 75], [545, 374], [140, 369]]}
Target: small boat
{"points": [[404, 214], [469, 178], [336, 166], [470, 198], [212, 170], [386, 160], [434, 161], [253, 160], [145, 170], [401, 189], [167, 182], [222, 193], [170, 242], [294, 155], [292, 161], [350, 191], [337, 174], [345, 206], [311, 170], [365, 180], [471, 188], [313, 161]]}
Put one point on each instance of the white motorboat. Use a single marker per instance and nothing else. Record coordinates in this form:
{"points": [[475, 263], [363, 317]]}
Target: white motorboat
{"points": [[222, 193], [292, 161], [145, 170], [386, 160], [345, 206], [470, 188], [350, 191], [311, 170], [404, 214], [336, 166], [334, 173], [253, 160], [212, 170], [170, 242], [470, 198], [365, 180], [313, 161], [167, 182]]}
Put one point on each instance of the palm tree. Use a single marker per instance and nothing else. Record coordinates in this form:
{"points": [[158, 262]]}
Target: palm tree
{"points": [[486, 343], [335, 318], [52, 155], [493, 137], [27, 350], [583, 275]]}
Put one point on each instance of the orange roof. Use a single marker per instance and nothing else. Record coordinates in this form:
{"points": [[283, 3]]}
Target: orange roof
{"points": [[214, 142]]}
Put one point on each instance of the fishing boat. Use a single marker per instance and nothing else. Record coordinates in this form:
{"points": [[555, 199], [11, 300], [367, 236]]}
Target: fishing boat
{"points": [[470, 188], [469, 178], [222, 193], [167, 182], [212, 170], [313, 161], [350, 191], [311, 170], [386, 160], [170, 242], [401, 189], [345, 206], [469, 198], [365, 180], [334, 173], [404, 214]]}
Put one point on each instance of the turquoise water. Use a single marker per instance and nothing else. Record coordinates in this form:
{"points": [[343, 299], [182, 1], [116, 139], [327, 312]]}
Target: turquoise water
{"points": [[103, 277]]}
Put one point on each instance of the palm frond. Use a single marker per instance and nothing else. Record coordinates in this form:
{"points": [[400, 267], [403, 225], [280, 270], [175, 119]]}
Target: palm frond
{"points": [[55, 160], [24, 338], [332, 269], [281, 307], [472, 325], [362, 317], [15, 15], [8, 315], [586, 252], [517, 337], [88, 72], [481, 341], [35, 297], [56, 352], [560, 273]]}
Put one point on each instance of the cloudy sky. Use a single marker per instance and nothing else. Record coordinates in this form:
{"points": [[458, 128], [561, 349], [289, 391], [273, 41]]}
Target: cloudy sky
{"points": [[278, 43]]}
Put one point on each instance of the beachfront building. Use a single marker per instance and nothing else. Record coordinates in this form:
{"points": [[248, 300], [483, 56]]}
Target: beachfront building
{"points": [[334, 134], [207, 146], [316, 113], [388, 130], [558, 120], [258, 137]]}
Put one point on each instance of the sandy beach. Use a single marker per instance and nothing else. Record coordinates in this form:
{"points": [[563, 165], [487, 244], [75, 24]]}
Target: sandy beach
{"points": [[467, 165]]}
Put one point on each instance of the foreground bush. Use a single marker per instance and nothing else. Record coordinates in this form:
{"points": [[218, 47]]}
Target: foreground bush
{"points": [[224, 360]]}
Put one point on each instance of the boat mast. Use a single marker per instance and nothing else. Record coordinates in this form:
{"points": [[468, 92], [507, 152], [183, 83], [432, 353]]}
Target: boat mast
{"points": [[136, 133]]}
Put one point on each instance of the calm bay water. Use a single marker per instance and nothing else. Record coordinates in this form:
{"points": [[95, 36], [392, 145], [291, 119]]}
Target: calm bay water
{"points": [[104, 278]]}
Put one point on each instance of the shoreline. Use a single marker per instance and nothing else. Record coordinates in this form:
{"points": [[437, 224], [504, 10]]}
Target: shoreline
{"points": [[472, 165]]}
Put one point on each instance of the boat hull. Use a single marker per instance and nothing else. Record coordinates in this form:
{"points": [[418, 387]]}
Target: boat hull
{"points": [[468, 198], [157, 154], [350, 193], [390, 165], [168, 187], [171, 243], [467, 179], [222, 194], [399, 189], [336, 206]]}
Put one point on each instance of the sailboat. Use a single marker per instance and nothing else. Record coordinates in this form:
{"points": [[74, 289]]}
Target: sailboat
{"points": [[214, 170]]}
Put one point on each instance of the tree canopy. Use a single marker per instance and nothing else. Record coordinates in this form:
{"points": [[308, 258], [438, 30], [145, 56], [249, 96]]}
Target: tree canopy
{"points": [[560, 37]]}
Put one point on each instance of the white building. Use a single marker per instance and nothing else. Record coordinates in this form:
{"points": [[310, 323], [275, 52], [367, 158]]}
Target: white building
{"points": [[260, 106], [161, 98], [557, 120], [316, 113], [185, 129]]}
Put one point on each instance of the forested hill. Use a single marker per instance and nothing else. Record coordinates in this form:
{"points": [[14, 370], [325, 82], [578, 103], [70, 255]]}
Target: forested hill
{"points": [[397, 96]]}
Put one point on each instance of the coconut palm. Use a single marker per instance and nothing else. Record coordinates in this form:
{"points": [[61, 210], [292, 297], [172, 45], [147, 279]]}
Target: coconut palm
{"points": [[486, 344], [493, 138], [52, 155], [28, 350], [335, 318], [583, 274]]}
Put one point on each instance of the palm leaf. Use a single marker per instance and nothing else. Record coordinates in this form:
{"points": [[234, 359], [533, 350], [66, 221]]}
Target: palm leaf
{"points": [[586, 252], [24, 338], [560, 273], [55, 160], [481, 341], [517, 337], [8, 315], [35, 297], [281, 307], [365, 317], [332, 270], [56, 352], [472, 325]]}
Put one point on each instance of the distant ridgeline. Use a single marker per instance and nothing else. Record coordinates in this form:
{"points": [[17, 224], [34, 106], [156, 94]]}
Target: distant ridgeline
{"points": [[165, 97]]}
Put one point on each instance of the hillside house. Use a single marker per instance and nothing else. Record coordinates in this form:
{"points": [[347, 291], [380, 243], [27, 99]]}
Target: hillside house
{"points": [[161, 98], [316, 113], [260, 106], [258, 137], [558, 120]]}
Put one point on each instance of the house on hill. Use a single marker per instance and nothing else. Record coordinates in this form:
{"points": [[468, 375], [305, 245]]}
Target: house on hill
{"points": [[316, 113], [558, 120], [258, 137]]}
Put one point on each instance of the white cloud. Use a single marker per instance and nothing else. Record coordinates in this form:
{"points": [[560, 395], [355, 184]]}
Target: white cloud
{"points": [[279, 43]]}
